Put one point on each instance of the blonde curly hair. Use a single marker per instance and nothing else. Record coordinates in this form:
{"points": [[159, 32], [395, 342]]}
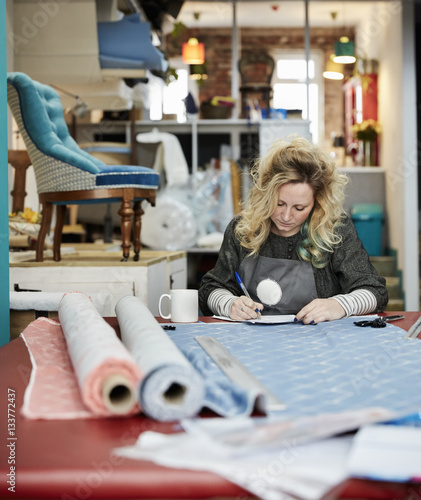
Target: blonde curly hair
{"points": [[296, 161]]}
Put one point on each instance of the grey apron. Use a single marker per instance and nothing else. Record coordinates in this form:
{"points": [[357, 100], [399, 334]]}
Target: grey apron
{"points": [[283, 286]]}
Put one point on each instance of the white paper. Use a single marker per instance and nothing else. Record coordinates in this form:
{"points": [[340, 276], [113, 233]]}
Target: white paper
{"points": [[269, 319], [270, 457], [307, 471], [387, 453]]}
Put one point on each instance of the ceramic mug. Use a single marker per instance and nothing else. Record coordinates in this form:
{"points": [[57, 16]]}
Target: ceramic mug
{"points": [[184, 306]]}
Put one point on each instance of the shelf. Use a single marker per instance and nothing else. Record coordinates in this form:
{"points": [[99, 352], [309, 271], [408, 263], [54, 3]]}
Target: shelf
{"points": [[123, 73], [362, 170], [266, 131]]}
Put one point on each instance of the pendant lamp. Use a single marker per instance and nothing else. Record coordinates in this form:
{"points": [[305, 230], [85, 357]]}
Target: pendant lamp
{"points": [[333, 70], [344, 51], [193, 52]]}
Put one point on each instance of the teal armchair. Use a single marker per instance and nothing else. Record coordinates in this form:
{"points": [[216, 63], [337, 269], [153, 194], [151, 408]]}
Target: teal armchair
{"points": [[65, 174]]}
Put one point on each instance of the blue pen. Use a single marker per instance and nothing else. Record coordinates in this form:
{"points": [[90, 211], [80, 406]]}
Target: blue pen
{"points": [[239, 281]]}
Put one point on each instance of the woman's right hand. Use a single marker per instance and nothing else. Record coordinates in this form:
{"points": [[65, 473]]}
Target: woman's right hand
{"points": [[244, 308]]}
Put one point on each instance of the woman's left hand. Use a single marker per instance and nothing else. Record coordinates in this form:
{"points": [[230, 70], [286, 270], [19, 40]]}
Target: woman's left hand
{"points": [[319, 310]]}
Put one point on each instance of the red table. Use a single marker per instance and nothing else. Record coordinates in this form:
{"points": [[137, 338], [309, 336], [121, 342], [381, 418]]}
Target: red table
{"points": [[71, 459]]}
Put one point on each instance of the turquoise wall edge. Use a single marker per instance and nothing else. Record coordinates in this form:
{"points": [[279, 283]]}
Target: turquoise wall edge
{"points": [[4, 186]]}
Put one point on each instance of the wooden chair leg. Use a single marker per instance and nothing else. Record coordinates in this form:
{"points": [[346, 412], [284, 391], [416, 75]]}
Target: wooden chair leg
{"points": [[20, 161], [61, 214], [126, 213], [137, 226], [47, 210]]}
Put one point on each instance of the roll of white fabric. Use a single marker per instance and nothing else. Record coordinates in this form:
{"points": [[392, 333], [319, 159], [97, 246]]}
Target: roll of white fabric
{"points": [[170, 388], [106, 372], [49, 301]]}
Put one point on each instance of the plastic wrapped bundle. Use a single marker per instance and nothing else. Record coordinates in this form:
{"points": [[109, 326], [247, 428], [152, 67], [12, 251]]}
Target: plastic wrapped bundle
{"points": [[170, 388], [170, 225]]}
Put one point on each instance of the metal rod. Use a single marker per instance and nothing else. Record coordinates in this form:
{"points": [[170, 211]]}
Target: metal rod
{"points": [[234, 61], [307, 52]]}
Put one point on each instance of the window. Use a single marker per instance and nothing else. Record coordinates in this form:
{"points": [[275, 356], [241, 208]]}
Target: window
{"points": [[171, 100], [174, 93], [290, 87]]}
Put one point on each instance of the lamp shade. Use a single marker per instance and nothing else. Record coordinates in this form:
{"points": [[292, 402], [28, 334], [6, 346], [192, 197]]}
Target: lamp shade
{"points": [[344, 51], [333, 70], [193, 52]]}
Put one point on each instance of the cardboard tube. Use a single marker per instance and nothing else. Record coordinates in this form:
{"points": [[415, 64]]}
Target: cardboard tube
{"points": [[118, 394], [19, 241]]}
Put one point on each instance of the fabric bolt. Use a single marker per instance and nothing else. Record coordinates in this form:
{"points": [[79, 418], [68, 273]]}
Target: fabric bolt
{"points": [[170, 387], [177, 382], [102, 364], [330, 367], [53, 391], [49, 301], [72, 358]]}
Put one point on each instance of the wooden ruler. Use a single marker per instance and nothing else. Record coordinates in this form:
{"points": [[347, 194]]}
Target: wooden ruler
{"points": [[237, 372]]}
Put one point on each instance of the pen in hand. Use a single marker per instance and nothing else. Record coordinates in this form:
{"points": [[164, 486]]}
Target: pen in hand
{"points": [[244, 289]]}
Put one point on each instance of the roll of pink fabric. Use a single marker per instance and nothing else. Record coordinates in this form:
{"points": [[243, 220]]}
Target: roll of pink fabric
{"points": [[107, 375]]}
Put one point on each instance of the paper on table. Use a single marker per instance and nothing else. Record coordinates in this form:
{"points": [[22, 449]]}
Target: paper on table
{"points": [[269, 456], [387, 453], [269, 319], [288, 471]]}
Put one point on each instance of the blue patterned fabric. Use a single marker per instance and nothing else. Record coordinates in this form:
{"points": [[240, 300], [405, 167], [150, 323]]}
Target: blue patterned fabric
{"points": [[126, 174], [59, 163], [326, 368], [128, 44]]}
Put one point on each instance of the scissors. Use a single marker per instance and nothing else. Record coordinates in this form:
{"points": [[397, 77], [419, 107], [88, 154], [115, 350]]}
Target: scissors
{"points": [[378, 322]]}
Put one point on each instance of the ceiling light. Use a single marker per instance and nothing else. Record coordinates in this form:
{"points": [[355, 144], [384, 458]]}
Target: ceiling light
{"points": [[333, 70], [193, 52], [344, 51]]}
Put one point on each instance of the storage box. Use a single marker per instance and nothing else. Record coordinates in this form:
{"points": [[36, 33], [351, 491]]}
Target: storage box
{"points": [[368, 220]]}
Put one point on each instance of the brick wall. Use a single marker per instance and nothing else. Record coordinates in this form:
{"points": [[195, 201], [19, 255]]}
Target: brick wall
{"points": [[218, 45]]}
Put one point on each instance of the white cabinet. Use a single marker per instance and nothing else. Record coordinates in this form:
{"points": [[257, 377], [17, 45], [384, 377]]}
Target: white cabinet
{"points": [[154, 274]]}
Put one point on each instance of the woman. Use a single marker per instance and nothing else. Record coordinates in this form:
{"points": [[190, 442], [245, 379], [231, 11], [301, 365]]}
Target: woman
{"points": [[294, 247]]}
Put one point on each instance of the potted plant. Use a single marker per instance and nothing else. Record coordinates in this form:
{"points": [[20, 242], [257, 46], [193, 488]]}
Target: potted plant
{"points": [[367, 133]]}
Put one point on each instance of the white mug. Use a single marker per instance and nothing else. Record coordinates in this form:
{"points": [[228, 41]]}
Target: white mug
{"points": [[184, 306]]}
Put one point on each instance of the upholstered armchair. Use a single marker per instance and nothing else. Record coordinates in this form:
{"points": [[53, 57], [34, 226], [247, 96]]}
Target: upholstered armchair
{"points": [[67, 175]]}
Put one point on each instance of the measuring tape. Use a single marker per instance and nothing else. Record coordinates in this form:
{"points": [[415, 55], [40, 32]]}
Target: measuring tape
{"points": [[415, 330], [237, 372]]}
